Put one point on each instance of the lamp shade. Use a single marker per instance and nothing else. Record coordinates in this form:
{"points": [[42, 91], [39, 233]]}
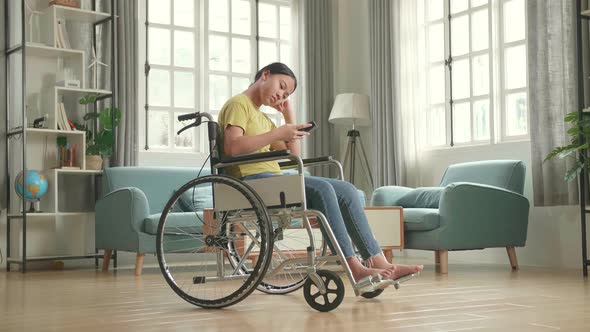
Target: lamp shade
{"points": [[351, 108]]}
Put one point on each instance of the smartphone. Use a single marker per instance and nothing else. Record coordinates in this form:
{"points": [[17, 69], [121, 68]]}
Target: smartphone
{"points": [[310, 128]]}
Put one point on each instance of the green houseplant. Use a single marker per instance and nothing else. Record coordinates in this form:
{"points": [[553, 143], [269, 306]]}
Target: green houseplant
{"points": [[99, 143], [579, 127]]}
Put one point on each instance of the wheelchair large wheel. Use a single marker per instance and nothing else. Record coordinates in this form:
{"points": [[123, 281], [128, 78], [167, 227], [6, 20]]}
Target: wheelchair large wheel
{"points": [[287, 270], [193, 248]]}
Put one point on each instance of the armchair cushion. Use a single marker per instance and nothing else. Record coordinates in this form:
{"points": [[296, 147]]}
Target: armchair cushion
{"points": [[507, 174], [388, 195], [421, 219], [177, 223], [362, 197], [197, 199], [424, 197]]}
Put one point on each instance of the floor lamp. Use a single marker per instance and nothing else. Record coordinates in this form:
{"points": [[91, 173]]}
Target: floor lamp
{"points": [[353, 109]]}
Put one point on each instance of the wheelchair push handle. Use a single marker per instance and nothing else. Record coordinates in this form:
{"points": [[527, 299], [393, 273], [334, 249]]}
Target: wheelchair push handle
{"points": [[188, 116], [198, 116]]}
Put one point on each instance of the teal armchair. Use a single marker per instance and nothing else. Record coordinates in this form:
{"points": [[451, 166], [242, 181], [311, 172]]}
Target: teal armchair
{"points": [[127, 216], [477, 205]]}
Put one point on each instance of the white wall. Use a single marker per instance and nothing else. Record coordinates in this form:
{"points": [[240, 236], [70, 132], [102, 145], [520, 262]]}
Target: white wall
{"points": [[554, 232]]}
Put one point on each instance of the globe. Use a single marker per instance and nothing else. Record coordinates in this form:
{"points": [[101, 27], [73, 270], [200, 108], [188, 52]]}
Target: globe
{"points": [[36, 185]]}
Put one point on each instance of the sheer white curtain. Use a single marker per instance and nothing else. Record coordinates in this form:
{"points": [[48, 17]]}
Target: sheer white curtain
{"points": [[317, 69], [553, 90], [412, 90], [398, 93]]}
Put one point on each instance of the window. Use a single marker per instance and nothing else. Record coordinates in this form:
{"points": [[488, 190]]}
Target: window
{"points": [[485, 75], [173, 82], [199, 69], [232, 46], [274, 27]]}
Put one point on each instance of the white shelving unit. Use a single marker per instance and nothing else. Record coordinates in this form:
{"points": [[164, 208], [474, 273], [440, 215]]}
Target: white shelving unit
{"points": [[63, 228]]}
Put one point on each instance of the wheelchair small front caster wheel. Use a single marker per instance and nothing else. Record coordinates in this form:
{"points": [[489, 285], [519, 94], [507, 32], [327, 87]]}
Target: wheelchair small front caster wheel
{"points": [[334, 291], [373, 294]]}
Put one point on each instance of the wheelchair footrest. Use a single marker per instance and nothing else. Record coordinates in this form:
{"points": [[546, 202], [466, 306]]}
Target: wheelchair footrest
{"points": [[376, 282]]}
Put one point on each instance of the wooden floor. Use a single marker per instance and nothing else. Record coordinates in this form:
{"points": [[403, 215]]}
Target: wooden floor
{"points": [[470, 298]]}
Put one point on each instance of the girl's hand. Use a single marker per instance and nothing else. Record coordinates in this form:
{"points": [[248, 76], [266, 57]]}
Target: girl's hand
{"points": [[291, 132], [286, 108]]}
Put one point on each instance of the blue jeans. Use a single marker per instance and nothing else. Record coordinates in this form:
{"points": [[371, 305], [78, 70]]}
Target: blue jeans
{"points": [[339, 202]]}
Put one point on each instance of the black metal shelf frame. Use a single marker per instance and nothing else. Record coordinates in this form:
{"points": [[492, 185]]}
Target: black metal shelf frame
{"points": [[20, 132], [581, 105]]}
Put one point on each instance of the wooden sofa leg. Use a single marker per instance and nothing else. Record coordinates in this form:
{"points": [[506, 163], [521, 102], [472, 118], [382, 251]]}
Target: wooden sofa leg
{"points": [[106, 259], [388, 253], [139, 263], [512, 257], [443, 261]]}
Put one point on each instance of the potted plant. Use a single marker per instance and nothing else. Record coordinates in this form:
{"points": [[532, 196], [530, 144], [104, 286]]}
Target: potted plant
{"points": [[99, 144], [580, 127]]}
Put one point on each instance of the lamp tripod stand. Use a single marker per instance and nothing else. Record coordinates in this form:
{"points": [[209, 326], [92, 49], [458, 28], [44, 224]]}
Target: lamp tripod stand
{"points": [[349, 164]]}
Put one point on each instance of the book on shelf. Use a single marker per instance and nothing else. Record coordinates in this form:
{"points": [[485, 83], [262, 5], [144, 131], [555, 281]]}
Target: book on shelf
{"points": [[63, 122], [58, 41], [62, 38], [58, 118], [68, 123], [68, 83]]}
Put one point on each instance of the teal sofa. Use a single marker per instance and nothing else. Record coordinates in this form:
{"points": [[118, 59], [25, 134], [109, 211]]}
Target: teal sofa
{"points": [[477, 205], [127, 216]]}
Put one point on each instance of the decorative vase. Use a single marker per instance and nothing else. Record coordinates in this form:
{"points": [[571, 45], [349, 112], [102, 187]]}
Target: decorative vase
{"points": [[93, 162]]}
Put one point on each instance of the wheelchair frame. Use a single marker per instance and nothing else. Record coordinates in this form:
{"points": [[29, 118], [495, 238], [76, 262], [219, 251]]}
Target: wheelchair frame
{"points": [[282, 214]]}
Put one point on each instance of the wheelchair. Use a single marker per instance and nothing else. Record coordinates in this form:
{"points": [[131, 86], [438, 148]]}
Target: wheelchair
{"points": [[258, 235]]}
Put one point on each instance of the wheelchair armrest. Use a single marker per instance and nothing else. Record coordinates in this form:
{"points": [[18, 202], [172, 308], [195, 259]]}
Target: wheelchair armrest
{"points": [[306, 162], [259, 157], [256, 156], [313, 162]]}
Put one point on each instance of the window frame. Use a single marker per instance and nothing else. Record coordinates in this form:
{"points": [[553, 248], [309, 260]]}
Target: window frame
{"points": [[503, 91], [171, 69], [497, 94], [201, 70], [273, 115]]}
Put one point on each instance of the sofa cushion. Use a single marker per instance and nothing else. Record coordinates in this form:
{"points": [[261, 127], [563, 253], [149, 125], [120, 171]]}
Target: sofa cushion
{"points": [[157, 183], [424, 197], [184, 222], [421, 219], [187, 222], [362, 197], [196, 199]]}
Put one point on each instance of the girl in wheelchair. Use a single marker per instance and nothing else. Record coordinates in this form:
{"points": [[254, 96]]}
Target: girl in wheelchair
{"points": [[245, 130]]}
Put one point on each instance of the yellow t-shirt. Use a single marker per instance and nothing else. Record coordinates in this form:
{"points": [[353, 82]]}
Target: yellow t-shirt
{"points": [[240, 111]]}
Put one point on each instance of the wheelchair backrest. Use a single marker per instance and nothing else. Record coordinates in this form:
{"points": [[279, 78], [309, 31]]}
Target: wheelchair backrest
{"points": [[215, 143], [276, 192]]}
